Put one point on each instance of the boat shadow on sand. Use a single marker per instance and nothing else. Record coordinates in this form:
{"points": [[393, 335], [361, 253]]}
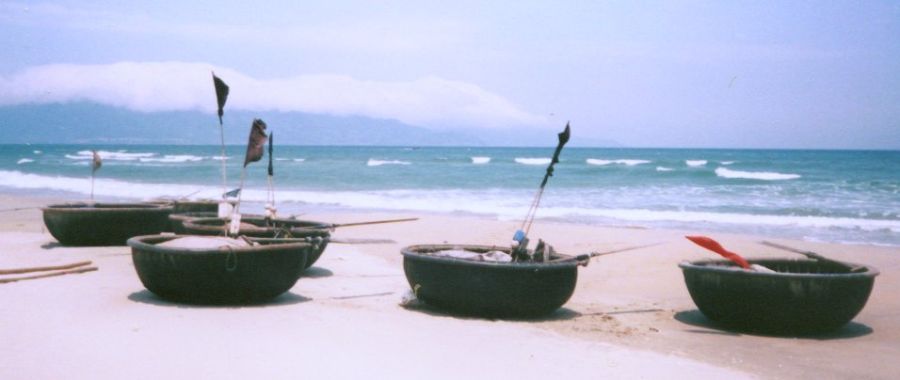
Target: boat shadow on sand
{"points": [[696, 318], [561, 314], [147, 297]]}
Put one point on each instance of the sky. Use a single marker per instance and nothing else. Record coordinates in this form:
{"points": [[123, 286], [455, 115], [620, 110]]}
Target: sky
{"points": [[718, 74]]}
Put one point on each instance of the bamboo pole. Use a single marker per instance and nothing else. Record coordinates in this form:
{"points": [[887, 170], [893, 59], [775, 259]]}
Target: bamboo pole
{"points": [[41, 269], [45, 275]]}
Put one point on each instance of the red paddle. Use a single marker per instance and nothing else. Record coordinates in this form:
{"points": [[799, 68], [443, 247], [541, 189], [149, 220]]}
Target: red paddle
{"points": [[714, 246]]}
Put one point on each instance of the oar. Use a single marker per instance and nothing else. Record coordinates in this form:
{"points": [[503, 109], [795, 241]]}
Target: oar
{"points": [[362, 241], [588, 256], [714, 246], [815, 256], [373, 222]]}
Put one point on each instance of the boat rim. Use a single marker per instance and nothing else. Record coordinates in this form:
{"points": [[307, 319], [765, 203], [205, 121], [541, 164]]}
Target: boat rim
{"points": [[409, 251], [139, 242], [722, 266]]}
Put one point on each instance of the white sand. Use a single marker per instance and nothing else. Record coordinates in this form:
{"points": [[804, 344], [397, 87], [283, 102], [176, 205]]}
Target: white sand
{"points": [[630, 316]]}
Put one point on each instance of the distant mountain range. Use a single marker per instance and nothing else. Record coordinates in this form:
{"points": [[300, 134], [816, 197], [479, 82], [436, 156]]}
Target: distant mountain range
{"points": [[88, 123]]}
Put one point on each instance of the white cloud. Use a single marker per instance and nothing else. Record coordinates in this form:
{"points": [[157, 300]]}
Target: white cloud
{"points": [[173, 86]]}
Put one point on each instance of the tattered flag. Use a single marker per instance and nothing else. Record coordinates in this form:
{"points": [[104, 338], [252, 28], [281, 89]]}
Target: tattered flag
{"points": [[271, 168], [233, 193], [96, 163], [256, 143], [221, 95]]}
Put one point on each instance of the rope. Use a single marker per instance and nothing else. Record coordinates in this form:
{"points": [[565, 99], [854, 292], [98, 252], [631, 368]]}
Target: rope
{"points": [[230, 256]]}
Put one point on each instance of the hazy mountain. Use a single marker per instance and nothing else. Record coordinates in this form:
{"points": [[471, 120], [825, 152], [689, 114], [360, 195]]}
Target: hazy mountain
{"points": [[87, 123]]}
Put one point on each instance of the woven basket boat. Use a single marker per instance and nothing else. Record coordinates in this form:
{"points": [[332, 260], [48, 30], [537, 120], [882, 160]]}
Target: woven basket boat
{"points": [[268, 228], [803, 297], [101, 224], [488, 289], [235, 275]]}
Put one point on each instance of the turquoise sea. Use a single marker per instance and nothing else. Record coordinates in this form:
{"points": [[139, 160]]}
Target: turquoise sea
{"points": [[833, 196]]}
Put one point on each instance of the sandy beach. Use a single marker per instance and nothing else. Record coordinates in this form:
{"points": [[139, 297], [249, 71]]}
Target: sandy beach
{"points": [[630, 317]]}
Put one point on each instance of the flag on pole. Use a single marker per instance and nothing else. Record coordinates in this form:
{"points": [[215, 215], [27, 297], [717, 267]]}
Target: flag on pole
{"points": [[96, 163], [256, 143], [221, 95]]}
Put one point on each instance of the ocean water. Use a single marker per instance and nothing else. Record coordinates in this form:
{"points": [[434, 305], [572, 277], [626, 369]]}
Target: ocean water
{"points": [[833, 196]]}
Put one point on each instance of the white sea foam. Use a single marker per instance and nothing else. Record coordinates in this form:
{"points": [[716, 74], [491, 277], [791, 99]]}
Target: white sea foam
{"points": [[532, 161], [695, 163], [121, 155], [727, 162], [171, 158], [374, 162], [38, 152], [24, 161], [480, 160], [763, 176], [599, 162], [505, 204], [663, 169], [220, 158], [299, 159]]}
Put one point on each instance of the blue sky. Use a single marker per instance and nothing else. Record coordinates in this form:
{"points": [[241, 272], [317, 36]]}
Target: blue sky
{"points": [[664, 74]]}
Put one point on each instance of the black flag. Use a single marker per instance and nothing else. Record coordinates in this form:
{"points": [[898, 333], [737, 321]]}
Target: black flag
{"points": [[271, 169], [256, 143], [221, 95], [563, 139]]}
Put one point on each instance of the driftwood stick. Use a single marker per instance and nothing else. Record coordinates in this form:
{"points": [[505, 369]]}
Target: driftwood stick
{"points": [[373, 222], [51, 274], [41, 269], [20, 209]]}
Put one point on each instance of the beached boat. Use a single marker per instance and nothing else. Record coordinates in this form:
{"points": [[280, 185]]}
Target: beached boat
{"points": [[488, 289], [183, 206], [223, 275], [95, 224], [318, 233], [801, 297], [176, 220]]}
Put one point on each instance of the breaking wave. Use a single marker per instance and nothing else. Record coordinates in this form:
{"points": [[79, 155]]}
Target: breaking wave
{"points": [[763, 176], [532, 161], [599, 162], [695, 163], [374, 162], [663, 169], [171, 158], [480, 160]]}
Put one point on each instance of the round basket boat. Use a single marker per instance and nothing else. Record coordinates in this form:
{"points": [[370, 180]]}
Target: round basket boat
{"points": [[182, 206], [488, 289], [96, 224], [235, 275], [803, 297], [267, 228], [176, 220]]}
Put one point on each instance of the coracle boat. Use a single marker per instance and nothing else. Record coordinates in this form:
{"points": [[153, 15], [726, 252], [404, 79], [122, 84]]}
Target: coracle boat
{"points": [[317, 233], [96, 224], [176, 220], [489, 289], [221, 275], [802, 296], [183, 206]]}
